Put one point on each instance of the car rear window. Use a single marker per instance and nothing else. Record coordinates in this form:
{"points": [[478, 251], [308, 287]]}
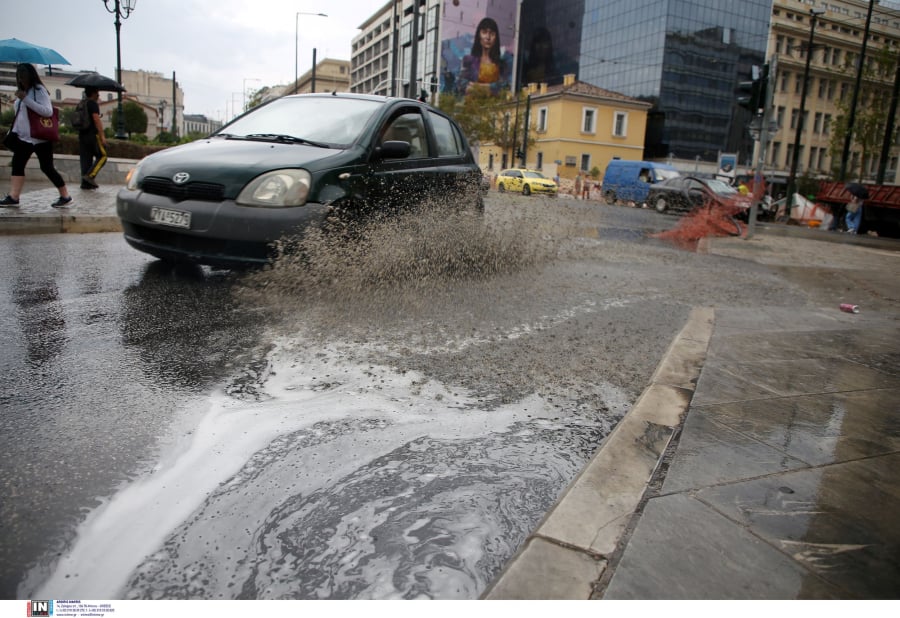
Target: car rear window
{"points": [[448, 142]]}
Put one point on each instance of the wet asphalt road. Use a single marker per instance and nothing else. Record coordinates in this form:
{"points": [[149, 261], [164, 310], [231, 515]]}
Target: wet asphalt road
{"points": [[380, 442]]}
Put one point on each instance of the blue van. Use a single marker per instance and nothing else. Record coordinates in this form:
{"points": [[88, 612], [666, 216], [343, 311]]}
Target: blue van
{"points": [[629, 181]]}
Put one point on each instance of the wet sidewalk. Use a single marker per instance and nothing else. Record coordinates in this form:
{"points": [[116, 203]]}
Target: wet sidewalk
{"points": [[90, 211], [776, 478]]}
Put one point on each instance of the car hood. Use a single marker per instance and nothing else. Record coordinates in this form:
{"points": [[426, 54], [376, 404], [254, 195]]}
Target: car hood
{"points": [[233, 163]]}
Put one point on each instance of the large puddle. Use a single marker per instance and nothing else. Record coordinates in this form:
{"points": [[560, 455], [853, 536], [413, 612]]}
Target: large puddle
{"points": [[321, 473]]}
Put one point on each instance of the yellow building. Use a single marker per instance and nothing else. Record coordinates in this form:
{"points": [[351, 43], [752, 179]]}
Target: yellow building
{"points": [[575, 127]]}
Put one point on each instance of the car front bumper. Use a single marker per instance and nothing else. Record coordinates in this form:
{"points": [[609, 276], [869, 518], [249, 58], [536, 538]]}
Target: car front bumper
{"points": [[543, 190], [221, 234]]}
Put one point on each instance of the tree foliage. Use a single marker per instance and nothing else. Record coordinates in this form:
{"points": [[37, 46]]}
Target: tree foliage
{"points": [[870, 121], [135, 118], [488, 119]]}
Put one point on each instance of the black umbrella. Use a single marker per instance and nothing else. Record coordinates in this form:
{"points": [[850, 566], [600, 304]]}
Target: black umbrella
{"points": [[95, 80], [858, 190]]}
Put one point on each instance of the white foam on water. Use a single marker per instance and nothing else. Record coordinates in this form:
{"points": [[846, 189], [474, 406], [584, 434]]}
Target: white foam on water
{"points": [[305, 387]]}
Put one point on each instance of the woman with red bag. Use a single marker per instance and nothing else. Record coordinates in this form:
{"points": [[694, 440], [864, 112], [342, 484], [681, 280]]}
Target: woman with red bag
{"points": [[33, 95]]}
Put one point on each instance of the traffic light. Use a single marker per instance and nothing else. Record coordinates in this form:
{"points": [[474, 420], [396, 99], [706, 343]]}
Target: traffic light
{"points": [[752, 95]]}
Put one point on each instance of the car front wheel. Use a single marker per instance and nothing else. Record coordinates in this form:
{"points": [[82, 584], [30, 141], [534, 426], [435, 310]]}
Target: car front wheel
{"points": [[610, 197], [660, 204], [526, 190]]}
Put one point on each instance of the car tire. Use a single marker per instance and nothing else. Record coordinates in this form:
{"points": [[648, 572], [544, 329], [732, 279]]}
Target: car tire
{"points": [[501, 188], [660, 204], [610, 197], [526, 190]]}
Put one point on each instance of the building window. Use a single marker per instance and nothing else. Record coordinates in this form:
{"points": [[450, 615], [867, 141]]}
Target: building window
{"points": [[779, 116], [540, 160], [817, 123], [795, 113], [620, 124], [776, 150], [588, 120], [490, 161], [779, 43], [784, 81], [542, 120], [798, 82], [585, 162], [813, 157], [822, 153]]}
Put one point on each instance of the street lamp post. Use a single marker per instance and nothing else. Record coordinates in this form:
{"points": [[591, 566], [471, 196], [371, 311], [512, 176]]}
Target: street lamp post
{"points": [[297, 41], [122, 10], [792, 179], [860, 64]]}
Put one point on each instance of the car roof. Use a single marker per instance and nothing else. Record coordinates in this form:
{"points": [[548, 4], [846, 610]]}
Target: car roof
{"points": [[356, 95]]}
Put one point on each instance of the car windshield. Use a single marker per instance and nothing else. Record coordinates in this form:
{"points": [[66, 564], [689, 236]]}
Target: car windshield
{"points": [[533, 175], [722, 188], [330, 120]]}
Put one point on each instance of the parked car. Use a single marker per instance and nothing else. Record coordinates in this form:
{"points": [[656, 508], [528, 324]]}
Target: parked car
{"points": [[226, 199], [684, 193], [630, 181], [526, 181]]}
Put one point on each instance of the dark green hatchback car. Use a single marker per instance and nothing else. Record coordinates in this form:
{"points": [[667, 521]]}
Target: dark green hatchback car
{"points": [[226, 199]]}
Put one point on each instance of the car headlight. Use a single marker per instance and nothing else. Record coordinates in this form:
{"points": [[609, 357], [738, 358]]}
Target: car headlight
{"points": [[278, 188], [133, 177]]}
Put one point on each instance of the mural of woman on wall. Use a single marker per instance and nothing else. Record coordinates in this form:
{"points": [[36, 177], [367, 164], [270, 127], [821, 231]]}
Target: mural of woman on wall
{"points": [[485, 65]]}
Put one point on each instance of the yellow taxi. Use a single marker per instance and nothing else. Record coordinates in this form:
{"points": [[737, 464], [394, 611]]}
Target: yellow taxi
{"points": [[526, 181]]}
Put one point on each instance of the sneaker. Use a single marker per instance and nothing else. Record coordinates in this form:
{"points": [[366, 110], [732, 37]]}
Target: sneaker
{"points": [[86, 187], [62, 202], [88, 179], [9, 201]]}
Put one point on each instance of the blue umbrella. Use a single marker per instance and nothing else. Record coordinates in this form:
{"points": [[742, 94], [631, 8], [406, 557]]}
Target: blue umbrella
{"points": [[14, 50]]}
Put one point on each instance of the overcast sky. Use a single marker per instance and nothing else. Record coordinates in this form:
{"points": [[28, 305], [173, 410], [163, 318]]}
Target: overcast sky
{"points": [[215, 47]]}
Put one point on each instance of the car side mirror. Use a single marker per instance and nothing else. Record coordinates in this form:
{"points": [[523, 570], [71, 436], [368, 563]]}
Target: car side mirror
{"points": [[393, 150]]}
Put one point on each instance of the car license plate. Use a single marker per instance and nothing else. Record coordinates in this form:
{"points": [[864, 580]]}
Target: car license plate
{"points": [[174, 218]]}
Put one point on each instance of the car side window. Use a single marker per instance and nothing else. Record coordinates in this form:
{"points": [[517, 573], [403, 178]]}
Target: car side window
{"points": [[517, 174], [447, 143], [409, 127]]}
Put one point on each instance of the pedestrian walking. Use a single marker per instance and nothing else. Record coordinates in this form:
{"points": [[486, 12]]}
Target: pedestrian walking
{"points": [[31, 94], [91, 140]]}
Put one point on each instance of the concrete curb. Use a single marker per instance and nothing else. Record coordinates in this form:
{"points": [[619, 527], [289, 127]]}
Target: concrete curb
{"points": [[571, 548], [62, 223]]}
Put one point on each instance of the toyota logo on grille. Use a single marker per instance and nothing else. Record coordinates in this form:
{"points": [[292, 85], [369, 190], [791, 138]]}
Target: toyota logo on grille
{"points": [[181, 177]]}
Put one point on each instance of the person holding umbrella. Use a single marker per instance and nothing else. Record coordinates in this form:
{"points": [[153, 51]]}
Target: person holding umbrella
{"points": [[91, 140], [32, 94]]}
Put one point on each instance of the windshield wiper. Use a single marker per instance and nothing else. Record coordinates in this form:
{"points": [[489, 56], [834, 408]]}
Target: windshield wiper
{"points": [[287, 139]]}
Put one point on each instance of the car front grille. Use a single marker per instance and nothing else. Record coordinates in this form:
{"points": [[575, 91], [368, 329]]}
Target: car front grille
{"points": [[201, 191]]}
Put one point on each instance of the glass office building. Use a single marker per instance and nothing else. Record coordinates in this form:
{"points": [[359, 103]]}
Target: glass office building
{"points": [[686, 57]]}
